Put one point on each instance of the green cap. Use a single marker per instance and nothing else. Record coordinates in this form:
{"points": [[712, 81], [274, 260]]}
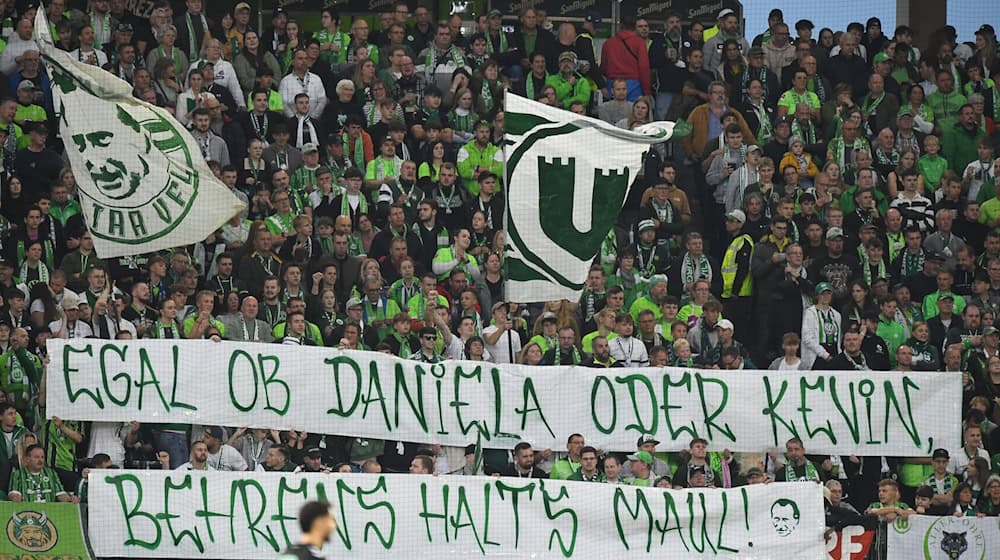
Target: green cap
{"points": [[881, 57], [904, 111], [823, 287], [643, 456]]}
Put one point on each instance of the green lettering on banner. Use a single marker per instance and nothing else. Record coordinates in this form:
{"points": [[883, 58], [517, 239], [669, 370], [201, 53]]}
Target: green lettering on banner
{"points": [[68, 351], [427, 515], [852, 422], [515, 492], [375, 387], [640, 426], [642, 505], [281, 517], [487, 493], [719, 546], [565, 547], [207, 514], [771, 410], [683, 382], [120, 351], [497, 405], [670, 515], [343, 530], [417, 406], [528, 392], [165, 515], [711, 416], [239, 489], [373, 527], [893, 402], [128, 512], [458, 375], [600, 381], [462, 508], [703, 537], [338, 408], [804, 388]]}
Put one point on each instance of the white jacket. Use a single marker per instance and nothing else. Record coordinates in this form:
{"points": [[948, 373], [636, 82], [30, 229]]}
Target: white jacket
{"points": [[811, 348]]}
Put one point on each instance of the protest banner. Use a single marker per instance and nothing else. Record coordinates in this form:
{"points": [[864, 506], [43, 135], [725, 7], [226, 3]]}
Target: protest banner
{"points": [[197, 514], [850, 543], [375, 395], [41, 530], [944, 538]]}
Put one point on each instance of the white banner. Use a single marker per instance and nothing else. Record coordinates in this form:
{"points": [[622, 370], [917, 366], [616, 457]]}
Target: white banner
{"points": [[567, 177], [191, 514], [375, 395], [944, 538], [143, 178]]}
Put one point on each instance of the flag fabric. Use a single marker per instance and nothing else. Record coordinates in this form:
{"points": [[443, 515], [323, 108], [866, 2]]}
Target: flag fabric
{"points": [[144, 184], [567, 179]]}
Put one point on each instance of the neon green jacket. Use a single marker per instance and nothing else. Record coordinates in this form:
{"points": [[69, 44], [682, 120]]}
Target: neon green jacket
{"points": [[567, 93], [471, 156]]}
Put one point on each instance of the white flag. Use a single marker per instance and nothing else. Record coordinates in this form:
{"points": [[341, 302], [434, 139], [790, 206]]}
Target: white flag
{"points": [[144, 184], [567, 177]]}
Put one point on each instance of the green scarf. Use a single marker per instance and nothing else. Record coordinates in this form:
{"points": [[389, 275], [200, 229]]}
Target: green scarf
{"points": [[709, 355], [575, 356], [829, 329], [345, 205], [690, 272], [43, 274], [866, 268], [811, 473], [404, 344], [911, 264]]}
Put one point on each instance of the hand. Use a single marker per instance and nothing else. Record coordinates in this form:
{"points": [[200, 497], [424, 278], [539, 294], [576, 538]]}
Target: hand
{"points": [[854, 459], [240, 432], [317, 277], [777, 258], [827, 464], [134, 426], [57, 421], [164, 458], [546, 453]]}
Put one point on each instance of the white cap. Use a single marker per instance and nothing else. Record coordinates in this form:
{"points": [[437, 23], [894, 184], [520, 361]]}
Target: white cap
{"points": [[726, 12], [725, 324]]}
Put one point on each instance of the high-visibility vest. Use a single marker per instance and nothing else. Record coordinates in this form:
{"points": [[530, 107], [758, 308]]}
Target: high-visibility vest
{"points": [[729, 268]]}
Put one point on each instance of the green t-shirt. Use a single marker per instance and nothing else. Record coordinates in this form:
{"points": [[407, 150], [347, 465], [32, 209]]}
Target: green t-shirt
{"points": [[563, 469], [60, 450]]}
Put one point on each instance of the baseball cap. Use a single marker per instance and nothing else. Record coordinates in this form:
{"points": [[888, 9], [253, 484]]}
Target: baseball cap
{"points": [[497, 305], [567, 55], [940, 453], [643, 456], [25, 84], [309, 148], [786, 119], [657, 279], [353, 302], [754, 471], [647, 438], [904, 112], [869, 227], [241, 6], [549, 316], [881, 57], [725, 324], [124, 28], [754, 148], [594, 17], [70, 301], [946, 296], [40, 127], [646, 224], [334, 139], [215, 431], [933, 256], [990, 331], [755, 51], [823, 287], [494, 13], [725, 12], [737, 216], [834, 233], [314, 453]]}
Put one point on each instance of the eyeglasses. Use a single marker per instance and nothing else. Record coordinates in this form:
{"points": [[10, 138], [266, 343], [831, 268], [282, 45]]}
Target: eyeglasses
{"points": [[429, 337]]}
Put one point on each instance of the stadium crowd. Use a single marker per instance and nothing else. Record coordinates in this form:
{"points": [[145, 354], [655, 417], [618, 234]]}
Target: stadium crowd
{"points": [[831, 205]]}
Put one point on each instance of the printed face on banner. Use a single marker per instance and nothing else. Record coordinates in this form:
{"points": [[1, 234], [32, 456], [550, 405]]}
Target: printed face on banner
{"points": [[784, 516]]}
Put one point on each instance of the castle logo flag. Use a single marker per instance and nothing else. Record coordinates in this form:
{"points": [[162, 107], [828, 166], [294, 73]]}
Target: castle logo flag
{"points": [[567, 179], [144, 184]]}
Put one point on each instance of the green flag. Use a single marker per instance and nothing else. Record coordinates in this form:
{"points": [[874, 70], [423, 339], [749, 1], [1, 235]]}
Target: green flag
{"points": [[567, 178], [143, 179]]}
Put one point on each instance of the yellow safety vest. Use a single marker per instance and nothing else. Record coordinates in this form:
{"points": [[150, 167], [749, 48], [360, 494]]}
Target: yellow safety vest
{"points": [[729, 267]]}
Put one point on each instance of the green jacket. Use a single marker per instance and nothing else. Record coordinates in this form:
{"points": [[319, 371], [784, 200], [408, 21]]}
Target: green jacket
{"points": [[893, 334], [20, 377], [959, 147], [945, 107], [62, 214], [470, 157], [567, 92], [312, 332], [563, 469]]}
